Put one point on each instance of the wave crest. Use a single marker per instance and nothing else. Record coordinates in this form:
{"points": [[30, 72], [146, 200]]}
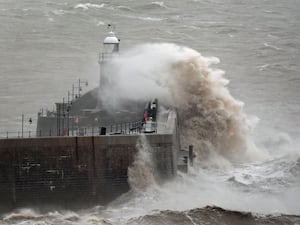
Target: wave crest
{"points": [[213, 215], [86, 6]]}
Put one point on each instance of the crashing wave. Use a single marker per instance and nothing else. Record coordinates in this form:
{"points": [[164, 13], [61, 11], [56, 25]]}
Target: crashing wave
{"points": [[209, 117], [213, 215], [141, 174]]}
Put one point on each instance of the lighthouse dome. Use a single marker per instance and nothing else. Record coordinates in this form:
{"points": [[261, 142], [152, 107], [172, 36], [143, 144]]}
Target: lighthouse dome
{"points": [[111, 39]]}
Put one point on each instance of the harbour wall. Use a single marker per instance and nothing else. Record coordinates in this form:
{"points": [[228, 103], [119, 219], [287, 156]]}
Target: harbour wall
{"points": [[76, 171]]}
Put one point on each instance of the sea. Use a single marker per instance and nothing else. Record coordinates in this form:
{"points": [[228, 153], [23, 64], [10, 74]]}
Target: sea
{"points": [[237, 73]]}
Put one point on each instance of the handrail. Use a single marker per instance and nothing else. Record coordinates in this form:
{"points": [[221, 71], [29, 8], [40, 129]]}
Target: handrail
{"points": [[113, 129]]}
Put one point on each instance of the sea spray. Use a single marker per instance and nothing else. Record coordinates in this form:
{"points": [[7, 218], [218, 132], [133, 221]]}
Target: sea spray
{"points": [[21, 214], [210, 118], [181, 78], [141, 174], [35, 216]]}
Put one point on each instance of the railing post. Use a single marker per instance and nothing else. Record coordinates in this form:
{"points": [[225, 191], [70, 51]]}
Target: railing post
{"points": [[18, 134], [50, 132], [191, 154], [6, 134], [22, 124], [92, 131], [40, 133], [29, 132]]}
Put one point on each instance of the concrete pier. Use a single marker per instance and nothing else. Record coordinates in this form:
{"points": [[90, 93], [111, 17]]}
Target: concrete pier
{"points": [[75, 171]]}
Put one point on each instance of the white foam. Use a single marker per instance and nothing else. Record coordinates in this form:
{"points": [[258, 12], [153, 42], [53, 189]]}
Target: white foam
{"points": [[150, 18], [271, 46], [59, 12], [100, 23], [160, 4], [122, 7], [263, 67], [86, 6], [145, 18]]}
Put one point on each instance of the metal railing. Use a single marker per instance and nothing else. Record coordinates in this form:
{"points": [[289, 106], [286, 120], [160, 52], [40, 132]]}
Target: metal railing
{"points": [[114, 129], [17, 134]]}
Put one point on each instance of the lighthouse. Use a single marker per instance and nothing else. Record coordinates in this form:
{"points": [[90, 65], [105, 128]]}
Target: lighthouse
{"points": [[110, 50]]}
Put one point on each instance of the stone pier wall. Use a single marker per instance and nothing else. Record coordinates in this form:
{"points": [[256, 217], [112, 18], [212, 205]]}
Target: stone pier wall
{"points": [[72, 171]]}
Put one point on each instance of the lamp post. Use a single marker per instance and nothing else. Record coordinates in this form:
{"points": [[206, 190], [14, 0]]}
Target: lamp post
{"points": [[30, 122], [22, 125], [58, 120], [68, 113], [79, 87], [68, 116], [75, 96], [63, 117]]}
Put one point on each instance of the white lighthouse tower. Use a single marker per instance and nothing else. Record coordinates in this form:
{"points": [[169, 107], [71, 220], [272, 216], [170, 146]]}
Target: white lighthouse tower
{"points": [[110, 49]]}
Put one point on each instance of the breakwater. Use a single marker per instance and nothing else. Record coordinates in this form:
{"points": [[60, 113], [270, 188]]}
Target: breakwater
{"points": [[75, 171]]}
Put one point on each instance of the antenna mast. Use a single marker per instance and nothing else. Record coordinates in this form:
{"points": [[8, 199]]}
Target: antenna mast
{"points": [[111, 27]]}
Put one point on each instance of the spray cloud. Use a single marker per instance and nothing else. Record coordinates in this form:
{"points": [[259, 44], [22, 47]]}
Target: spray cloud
{"points": [[141, 172], [210, 118]]}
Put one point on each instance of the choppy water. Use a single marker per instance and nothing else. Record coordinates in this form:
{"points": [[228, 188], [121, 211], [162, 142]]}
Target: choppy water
{"points": [[46, 45]]}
